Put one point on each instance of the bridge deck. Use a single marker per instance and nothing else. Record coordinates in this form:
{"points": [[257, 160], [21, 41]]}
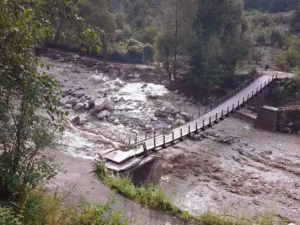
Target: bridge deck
{"points": [[116, 158]]}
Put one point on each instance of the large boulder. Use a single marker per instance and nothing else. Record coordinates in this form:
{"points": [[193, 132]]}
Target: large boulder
{"points": [[113, 74], [119, 83], [108, 67], [109, 105], [103, 103], [96, 79], [78, 106], [179, 122], [99, 104], [104, 114], [170, 120], [160, 113]]}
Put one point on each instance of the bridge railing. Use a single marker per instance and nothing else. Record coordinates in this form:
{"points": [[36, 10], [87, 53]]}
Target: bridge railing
{"points": [[159, 134]]}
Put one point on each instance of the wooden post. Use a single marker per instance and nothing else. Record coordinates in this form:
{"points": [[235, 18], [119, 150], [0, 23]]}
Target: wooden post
{"points": [[222, 113], [203, 124], [227, 110], [216, 117], [164, 140], [173, 136], [196, 127], [145, 147], [181, 133], [238, 103], [210, 120], [243, 100], [189, 129]]}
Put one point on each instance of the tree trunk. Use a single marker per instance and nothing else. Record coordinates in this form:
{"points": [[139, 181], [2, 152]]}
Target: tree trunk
{"points": [[176, 40]]}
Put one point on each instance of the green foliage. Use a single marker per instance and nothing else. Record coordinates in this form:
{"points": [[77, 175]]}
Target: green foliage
{"points": [[286, 60], [152, 197], [150, 34], [220, 27], [7, 217], [149, 53], [289, 89], [29, 101], [100, 214], [262, 39]]}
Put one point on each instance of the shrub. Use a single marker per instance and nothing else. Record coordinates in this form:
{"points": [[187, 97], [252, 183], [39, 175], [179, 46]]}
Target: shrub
{"points": [[262, 39], [287, 59], [148, 53], [150, 33], [135, 54], [119, 52], [8, 218], [100, 214], [133, 42]]}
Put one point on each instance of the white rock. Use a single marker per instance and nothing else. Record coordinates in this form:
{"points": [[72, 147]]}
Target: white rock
{"points": [[178, 116], [119, 83], [103, 114], [109, 105], [129, 107], [78, 106], [179, 122], [148, 127], [68, 106], [169, 109], [154, 118], [185, 114], [116, 122], [96, 79], [100, 104], [170, 120]]}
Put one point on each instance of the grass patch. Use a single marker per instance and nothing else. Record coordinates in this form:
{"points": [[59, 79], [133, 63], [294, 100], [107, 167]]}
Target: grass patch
{"points": [[42, 208]]}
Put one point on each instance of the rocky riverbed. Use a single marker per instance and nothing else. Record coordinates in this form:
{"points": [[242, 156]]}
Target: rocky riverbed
{"points": [[231, 166]]}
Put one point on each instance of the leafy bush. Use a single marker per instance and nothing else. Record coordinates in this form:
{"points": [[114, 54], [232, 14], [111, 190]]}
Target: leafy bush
{"points": [[100, 214], [150, 34], [286, 60], [289, 89], [8, 218], [262, 39], [148, 53], [135, 54], [152, 197]]}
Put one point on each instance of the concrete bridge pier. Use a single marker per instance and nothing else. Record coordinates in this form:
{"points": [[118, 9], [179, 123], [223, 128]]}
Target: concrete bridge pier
{"points": [[148, 173]]}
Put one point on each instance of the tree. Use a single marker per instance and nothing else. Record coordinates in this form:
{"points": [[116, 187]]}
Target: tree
{"points": [[26, 95], [221, 42], [176, 31]]}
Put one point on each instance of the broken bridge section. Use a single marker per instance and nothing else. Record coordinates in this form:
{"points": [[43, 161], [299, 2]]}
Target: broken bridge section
{"points": [[123, 161]]}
